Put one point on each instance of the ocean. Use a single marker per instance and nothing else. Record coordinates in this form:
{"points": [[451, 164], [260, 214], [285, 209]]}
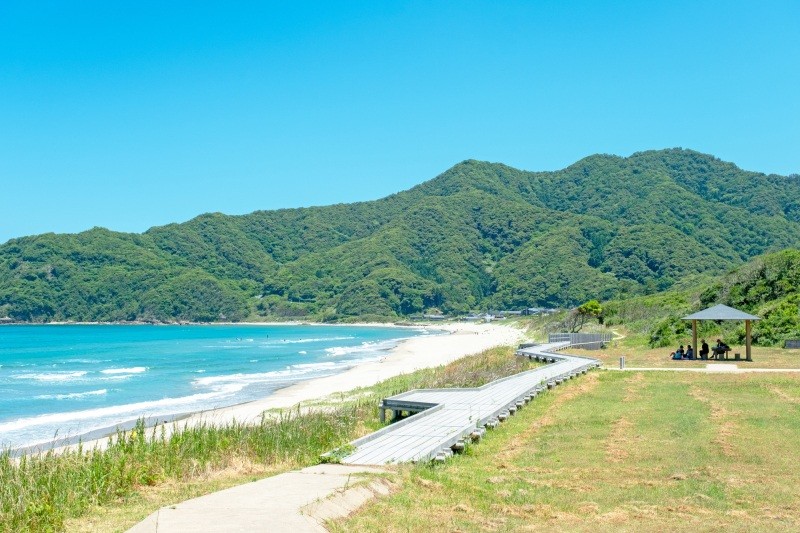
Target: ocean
{"points": [[59, 383]]}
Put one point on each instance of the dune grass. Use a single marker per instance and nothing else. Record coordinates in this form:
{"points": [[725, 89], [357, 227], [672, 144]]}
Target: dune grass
{"points": [[141, 470], [40, 492], [614, 451]]}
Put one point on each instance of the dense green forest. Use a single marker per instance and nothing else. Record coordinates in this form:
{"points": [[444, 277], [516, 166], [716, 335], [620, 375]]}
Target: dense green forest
{"points": [[481, 235], [767, 286]]}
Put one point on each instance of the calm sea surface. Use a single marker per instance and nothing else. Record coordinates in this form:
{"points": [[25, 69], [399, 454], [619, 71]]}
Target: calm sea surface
{"points": [[60, 382]]}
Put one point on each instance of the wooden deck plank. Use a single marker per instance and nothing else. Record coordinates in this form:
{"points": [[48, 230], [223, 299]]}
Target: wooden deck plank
{"points": [[461, 410], [400, 448], [379, 447]]}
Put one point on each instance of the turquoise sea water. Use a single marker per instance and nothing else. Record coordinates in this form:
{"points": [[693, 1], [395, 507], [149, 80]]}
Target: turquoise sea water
{"points": [[62, 382]]}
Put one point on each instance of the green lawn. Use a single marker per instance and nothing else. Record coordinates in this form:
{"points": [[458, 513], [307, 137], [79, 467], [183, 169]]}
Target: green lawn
{"points": [[618, 451], [644, 357]]}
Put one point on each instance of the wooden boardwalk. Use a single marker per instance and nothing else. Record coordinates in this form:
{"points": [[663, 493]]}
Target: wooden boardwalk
{"points": [[445, 419]]}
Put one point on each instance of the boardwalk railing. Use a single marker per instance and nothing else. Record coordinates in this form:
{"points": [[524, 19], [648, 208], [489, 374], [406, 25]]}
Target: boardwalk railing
{"points": [[590, 341], [446, 419]]}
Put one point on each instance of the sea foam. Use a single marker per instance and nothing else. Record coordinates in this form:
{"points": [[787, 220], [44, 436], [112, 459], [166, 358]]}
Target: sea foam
{"points": [[132, 370], [131, 410], [52, 376], [315, 339], [71, 396]]}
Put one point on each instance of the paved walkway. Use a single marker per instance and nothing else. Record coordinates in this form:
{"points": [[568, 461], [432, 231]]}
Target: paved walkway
{"points": [[293, 502]]}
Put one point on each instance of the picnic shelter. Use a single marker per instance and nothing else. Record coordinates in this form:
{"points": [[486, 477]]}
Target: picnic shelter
{"points": [[723, 312]]}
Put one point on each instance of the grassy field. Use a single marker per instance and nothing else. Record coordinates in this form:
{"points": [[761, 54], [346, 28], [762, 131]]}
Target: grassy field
{"points": [[618, 451], [141, 471], [644, 357]]}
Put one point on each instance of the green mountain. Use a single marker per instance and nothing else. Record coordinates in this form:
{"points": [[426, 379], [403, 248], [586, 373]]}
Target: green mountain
{"points": [[480, 235]]}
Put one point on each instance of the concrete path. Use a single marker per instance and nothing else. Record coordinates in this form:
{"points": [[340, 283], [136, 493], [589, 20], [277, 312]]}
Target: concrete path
{"points": [[293, 502]]}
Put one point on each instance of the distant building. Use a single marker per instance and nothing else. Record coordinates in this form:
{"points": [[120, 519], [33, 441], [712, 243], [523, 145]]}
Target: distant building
{"points": [[539, 311], [434, 317], [504, 313], [488, 317]]}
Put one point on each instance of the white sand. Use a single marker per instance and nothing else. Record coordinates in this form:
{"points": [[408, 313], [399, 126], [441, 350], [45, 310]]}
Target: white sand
{"points": [[412, 354]]}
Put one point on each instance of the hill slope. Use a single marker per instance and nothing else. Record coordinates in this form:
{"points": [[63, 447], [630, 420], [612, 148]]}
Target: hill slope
{"points": [[478, 235], [767, 286]]}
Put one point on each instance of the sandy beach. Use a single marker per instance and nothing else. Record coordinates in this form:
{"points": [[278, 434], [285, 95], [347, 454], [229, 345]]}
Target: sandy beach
{"points": [[447, 343], [411, 354]]}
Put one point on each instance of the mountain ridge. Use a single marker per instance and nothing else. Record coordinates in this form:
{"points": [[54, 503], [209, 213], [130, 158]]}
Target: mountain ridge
{"points": [[477, 235]]}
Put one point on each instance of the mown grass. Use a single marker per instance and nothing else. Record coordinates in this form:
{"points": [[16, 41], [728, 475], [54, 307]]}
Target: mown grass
{"points": [[142, 470], [644, 357], [617, 451]]}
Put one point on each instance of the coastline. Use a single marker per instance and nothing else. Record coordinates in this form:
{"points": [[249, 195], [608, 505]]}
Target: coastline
{"points": [[456, 340], [409, 355], [270, 323]]}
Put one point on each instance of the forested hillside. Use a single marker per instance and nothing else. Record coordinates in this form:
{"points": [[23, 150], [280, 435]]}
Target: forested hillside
{"points": [[767, 286], [480, 235]]}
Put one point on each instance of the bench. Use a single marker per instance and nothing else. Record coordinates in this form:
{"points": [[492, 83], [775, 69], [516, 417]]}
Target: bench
{"points": [[718, 354]]}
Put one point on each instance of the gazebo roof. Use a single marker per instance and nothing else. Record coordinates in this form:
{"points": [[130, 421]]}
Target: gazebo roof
{"points": [[721, 312]]}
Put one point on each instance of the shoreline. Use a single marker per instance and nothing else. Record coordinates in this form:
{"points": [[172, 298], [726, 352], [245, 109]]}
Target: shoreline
{"points": [[271, 323], [409, 355], [450, 342]]}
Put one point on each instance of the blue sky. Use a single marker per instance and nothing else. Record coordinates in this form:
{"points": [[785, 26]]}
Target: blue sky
{"points": [[133, 114]]}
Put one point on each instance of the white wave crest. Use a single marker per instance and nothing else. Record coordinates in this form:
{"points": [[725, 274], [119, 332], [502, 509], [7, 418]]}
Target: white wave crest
{"points": [[317, 339], [290, 373], [53, 376], [364, 347], [72, 396], [131, 410], [132, 370]]}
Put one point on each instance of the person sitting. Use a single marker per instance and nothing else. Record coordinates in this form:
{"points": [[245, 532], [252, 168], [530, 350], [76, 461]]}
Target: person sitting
{"points": [[721, 349], [679, 352], [675, 356], [689, 352], [704, 349]]}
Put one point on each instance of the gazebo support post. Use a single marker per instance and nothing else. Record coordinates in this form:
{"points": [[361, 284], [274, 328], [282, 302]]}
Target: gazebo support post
{"points": [[694, 340], [748, 354], [723, 312]]}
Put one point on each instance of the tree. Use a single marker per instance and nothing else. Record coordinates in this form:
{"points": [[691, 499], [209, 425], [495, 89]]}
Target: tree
{"points": [[578, 317]]}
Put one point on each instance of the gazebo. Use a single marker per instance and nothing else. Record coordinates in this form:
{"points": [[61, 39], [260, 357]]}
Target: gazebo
{"points": [[723, 312]]}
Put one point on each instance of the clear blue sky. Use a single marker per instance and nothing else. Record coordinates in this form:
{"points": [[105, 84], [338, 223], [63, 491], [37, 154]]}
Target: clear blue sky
{"points": [[133, 114]]}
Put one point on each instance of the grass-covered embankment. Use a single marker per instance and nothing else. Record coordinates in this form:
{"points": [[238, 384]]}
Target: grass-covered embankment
{"points": [[142, 470], [619, 451]]}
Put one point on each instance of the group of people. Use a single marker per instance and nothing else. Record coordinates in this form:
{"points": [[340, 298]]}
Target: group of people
{"points": [[680, 353]]}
